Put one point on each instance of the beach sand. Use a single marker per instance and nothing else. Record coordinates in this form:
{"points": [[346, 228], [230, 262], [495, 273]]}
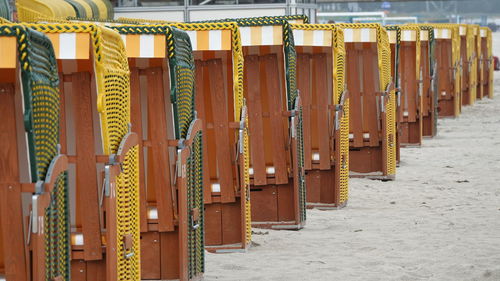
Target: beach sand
{"points": [[439, 220]]}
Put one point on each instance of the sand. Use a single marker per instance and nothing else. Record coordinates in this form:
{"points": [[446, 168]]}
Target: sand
{"points": [[440, 219]]}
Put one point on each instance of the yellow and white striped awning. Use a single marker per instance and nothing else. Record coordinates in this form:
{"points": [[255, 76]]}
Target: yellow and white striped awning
{"points": [[145, 45], [70, 46], [210, 40], [424, 35], [360, 35], [298, 21], [483, 33], [320, 38], [8, 51], [462, 30], [442, 33], [261, 35]]}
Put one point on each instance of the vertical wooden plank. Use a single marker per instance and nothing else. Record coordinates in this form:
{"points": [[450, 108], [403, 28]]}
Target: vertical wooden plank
{"points": [[231, 223], [136, 120], [213, 224], [11, 219], [304, 85], [354, 61], [221, 128], [276, 97], [322, 103], [200, 109], [158, 158], [370, 87], [411, 80], [170, 257], [150, 255], [78, 270], [96, 271], [255, 124], [86, 174]]}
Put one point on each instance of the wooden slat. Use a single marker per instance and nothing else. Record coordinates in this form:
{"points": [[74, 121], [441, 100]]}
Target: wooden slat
{"points": [[158, 158], [11, 216], [354, 73], [277, 136], [304, 84], [370, 87], [427, 91], [200, 109], [136, 120], [252, 90], [322, 101], [221, 128], [86, 174]]}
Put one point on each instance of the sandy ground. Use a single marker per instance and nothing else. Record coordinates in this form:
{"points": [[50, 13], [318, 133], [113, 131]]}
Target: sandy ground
{"points": [[440, 219]]}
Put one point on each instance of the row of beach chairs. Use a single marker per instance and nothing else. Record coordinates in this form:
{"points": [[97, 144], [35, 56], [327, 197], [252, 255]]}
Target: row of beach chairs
{"points": [[129, 147]]}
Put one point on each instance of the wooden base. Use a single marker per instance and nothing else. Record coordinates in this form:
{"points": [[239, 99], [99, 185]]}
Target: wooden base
{"points": [[366, 160], [223, 227], [446, 108], [274, 206], [323, 191], [411, 134]]}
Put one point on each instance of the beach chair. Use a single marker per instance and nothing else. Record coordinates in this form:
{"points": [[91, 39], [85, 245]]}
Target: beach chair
{"points": [[103, 154], [372, 102], [486, 62], [410, 83], [220, 104], [468, 61], [277, 176], [163, 114], [325, 112], [34, 214], [448, 69]]}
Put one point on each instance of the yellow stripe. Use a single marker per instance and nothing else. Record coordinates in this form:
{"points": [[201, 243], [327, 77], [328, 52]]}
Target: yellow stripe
{"points": [[160, 48], [277, 35], [133, 45], [226, 40], [54, 38], [202, 38], [373, 35], [8, 52], [308, 37], [255, 35], [82, 45], [357, 35]]}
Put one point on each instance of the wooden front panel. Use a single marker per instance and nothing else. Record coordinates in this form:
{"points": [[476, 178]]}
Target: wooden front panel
{"points": [[410, 95], [269, 127], [362, 82], [213, 105], [465, 71]]}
